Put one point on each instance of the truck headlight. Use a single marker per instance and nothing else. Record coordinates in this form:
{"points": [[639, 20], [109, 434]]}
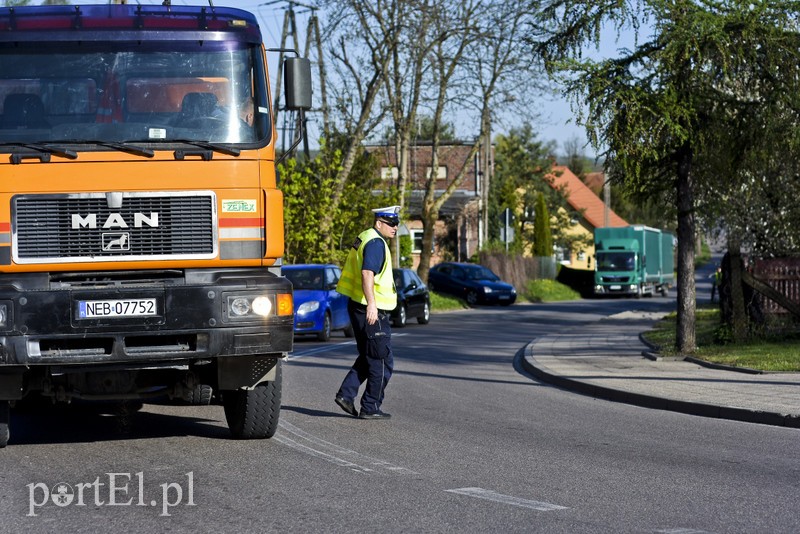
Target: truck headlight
{"points": [[249, 306], [308, 307], [3, 315]]}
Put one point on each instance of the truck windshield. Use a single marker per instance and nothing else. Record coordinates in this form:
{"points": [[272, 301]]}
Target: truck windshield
{"points": [[142, 92], [616, 261]]}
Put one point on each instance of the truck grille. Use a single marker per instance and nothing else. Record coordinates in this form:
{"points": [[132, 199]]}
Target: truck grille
{"points": [[83, 227], [616, 279]]}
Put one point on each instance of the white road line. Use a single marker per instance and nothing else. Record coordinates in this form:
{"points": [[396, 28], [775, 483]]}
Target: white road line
{"points": [[334, 453], [319, 454], [325, 348], [315, 350], [490, 495]]}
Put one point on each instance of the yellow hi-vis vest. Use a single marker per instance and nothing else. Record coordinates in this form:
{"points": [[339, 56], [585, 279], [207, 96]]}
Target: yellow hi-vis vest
{"points": [[350, 282]]}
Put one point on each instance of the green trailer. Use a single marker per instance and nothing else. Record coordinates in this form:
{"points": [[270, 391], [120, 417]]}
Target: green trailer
{"points": [[633, 260]]}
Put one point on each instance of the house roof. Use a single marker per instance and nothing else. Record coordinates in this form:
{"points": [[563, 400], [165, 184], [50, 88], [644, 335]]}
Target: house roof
{"points": [[582, 199]]}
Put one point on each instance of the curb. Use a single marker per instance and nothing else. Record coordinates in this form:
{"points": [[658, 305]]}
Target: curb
{"points": [[528, 362]]}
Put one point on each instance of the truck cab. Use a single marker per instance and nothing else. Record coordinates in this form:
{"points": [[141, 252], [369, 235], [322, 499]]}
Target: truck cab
{"points": [[141, 226]]}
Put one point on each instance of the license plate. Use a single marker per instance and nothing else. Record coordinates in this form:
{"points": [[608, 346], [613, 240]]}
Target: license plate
{"points": [[614, 288], [94, 309], [504, 297]]}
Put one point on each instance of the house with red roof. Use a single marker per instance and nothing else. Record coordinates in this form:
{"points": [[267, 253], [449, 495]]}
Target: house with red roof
{"points": [[593, 214]]}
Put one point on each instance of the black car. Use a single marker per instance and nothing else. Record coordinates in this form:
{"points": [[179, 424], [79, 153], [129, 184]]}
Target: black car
{"points": [[413, 298], [474, 283]]}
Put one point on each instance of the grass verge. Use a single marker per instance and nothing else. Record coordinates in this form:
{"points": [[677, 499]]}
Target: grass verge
{"points": [[549, 291], [441, 303], [765, 354]]}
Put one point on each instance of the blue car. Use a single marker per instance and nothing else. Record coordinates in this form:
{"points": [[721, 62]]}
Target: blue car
{"points": [[318, 308], [474, 283]]}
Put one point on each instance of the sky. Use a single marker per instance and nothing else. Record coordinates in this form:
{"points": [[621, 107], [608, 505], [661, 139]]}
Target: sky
{"points": [[557, 119]]}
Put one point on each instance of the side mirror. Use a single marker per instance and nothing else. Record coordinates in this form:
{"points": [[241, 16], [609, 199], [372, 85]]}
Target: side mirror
{"points": [[297, 79]]}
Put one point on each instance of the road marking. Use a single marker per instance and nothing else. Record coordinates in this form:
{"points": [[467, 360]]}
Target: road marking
{"points": [[325, 348], [333, 453], [315, 350], [490, 495]]}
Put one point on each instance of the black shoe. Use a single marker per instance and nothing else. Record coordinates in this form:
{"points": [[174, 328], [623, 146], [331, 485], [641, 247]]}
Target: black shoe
{"points": [[347, 406], [373, 415]]}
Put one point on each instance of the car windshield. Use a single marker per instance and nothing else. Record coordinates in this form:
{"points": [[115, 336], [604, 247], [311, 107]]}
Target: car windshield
{"points": [[132, 92], [616, 261], [480, 273], [305, 278]]}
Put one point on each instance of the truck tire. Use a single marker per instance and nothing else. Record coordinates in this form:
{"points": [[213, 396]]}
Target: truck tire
{"points": [[253, 413], [200, 395], [5, 416]]}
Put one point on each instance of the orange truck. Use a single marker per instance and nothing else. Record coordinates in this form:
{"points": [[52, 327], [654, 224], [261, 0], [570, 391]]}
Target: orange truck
{"points": [[141, 227]]}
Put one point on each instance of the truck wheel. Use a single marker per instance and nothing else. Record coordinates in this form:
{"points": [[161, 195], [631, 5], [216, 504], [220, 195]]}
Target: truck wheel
{"points": [[5, 416], [253, 413], [200, 395]]}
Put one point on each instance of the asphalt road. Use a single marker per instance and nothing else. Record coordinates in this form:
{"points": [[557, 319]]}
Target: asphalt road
{"points": [[474, 445]]}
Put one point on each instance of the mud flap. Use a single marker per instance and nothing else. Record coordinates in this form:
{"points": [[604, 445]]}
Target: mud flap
{"points": [[245, 371], [11, 386]]}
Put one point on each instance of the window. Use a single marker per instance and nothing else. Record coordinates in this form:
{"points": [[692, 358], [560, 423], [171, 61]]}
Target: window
{"points": [[389, 173], [416, 241], [440, 175]]}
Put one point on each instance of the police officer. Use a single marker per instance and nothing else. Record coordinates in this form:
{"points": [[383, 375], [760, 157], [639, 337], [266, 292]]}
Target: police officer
{"points": [[367, 279]]}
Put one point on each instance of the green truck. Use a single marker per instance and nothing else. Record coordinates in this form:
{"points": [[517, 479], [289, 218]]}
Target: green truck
{"points": [[633, 260]]}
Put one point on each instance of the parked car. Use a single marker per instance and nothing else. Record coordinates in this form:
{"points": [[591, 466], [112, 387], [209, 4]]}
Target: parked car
{"points": [[318, 308], [413, 298], [474, 283]]}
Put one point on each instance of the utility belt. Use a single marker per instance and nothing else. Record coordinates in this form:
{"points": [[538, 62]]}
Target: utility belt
{"points": [[363, 307]]}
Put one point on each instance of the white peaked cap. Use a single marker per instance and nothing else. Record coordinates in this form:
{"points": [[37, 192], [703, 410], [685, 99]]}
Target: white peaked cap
{"points": [[388, 211]]}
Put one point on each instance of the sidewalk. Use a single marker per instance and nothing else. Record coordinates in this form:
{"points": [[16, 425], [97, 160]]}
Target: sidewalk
{"points": [[605, 359]]}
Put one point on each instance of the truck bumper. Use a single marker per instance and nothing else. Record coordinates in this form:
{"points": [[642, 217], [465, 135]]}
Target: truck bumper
{"points": [[47, 324], [616, 289]]}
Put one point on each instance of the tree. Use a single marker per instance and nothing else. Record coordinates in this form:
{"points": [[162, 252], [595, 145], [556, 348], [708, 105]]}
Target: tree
{"points": [[370, 31], [307, 191], [472, 69], [543, 240], [662, 110], [522, 163]]}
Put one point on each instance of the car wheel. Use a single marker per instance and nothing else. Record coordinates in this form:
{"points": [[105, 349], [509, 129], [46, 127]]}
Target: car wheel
{"points": [[348, 332], [253, 413], [430, 286], [426, 314], [402, 317], [325, 334], [472, 297]]}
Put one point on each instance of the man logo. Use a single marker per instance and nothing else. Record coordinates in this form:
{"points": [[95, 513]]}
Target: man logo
{"points": [[116, 242]]}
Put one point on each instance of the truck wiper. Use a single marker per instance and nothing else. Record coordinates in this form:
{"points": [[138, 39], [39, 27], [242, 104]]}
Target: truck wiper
{"points": [[122, 147], [222, 149], [45, 150]]}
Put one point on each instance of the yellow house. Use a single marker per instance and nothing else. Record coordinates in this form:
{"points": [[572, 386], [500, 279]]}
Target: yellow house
{"points": [[593, 214]]}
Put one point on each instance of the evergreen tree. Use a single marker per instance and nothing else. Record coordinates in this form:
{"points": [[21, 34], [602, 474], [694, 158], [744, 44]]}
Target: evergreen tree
{"points": [[542, 238]]}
